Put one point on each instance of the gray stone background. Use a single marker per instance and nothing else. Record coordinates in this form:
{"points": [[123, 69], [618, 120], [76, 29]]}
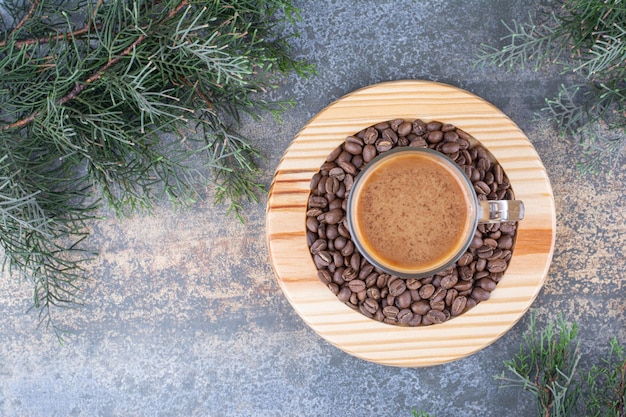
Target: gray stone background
{"points": [[183, 316]]}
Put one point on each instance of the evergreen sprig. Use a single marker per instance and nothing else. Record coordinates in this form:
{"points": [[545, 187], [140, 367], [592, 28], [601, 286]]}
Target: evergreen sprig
{"points": [[122, 103], [547, 365], [606, 384], [584, 37]]}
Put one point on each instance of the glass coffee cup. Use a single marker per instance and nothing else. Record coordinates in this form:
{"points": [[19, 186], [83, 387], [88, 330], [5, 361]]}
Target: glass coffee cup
{"points": [[413, 212]]}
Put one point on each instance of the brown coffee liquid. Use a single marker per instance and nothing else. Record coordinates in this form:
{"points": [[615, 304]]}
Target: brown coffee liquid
{"points": [[412, 213]]}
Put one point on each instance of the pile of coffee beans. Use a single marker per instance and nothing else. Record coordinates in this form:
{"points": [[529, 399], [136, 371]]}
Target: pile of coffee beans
{"points": [[388, 298]]}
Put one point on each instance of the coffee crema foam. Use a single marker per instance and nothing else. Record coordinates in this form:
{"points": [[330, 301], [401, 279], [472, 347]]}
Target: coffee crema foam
{"points": [[412, 213]]}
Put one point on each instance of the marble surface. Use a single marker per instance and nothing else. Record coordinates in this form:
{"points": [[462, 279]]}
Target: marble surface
{"points": [[182, 315]]}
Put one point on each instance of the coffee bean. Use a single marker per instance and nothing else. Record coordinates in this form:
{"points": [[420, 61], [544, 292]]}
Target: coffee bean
{"points": [[481, 187], [418, 142], [480, 274], [365, 271], [348, 249], [363, 310], [405, 128], [356, 285], [438, 295], [498, 174], [383, 145], [497, 265], [420, 307], [450, 135], [397, 287], [391, 311], [312, 224], [390, 299], [464, 285], [334, 216], [318, 246], [353, 139], [450, 148], [449, 281], [371, 134], [338, 173], [317, 202], [458, 305], [338, 275], [332, 185], [339, 242], [497, 254], [413, 284], [486, 284], [404, 316], [373, 293], [370, 280], [435, 316], [344, 294], [355, 260], [484, 251], [427, 291], [451, 295], [415, 321], [347, 167], [390, 136], [337, 259], [419, 127], [354, 300], [505, 242], [378, 315], [320, 262], [437, 304], [434, 125], [435, 136], [348, 181], [371, 305], [369, 152], [326, 167], [353, 148], [507, 228], [350, 274], [381, 282], [404, 300], [483, 164], [480, 294], [324, 276], [334, 288]]}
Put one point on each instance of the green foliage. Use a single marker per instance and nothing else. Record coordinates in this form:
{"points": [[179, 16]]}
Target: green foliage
{"points": [[547, 365], [421, 413], [583, 37], [123, 103], [606, 384]]}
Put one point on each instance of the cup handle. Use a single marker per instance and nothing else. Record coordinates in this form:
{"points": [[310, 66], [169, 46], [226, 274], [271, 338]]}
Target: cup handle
{"points": [[498, 211]]}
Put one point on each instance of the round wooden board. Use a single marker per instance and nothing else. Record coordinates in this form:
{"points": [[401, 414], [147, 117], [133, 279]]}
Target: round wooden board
{"points": [[387, 344]]}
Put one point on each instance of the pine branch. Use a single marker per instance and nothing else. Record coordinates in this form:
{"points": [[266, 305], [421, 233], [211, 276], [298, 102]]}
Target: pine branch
{"points": [[80, 87], [27, 16], [546, 366], [136, 104], [592, 34]]}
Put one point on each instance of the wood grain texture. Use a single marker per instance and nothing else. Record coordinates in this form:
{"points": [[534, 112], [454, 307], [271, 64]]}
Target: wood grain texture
{"points": [[350, 330]]}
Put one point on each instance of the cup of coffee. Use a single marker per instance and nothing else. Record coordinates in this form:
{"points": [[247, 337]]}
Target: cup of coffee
{"points": [[412, 212]]}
